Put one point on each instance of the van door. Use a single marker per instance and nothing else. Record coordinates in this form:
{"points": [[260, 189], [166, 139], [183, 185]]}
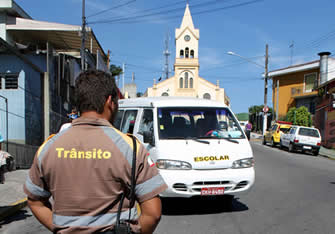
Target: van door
{"points": [[146, 124], [128, 121]]}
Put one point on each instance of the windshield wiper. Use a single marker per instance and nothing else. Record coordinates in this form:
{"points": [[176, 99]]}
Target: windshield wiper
{"points": [[231, 140], [197, 140], [189, 138]]}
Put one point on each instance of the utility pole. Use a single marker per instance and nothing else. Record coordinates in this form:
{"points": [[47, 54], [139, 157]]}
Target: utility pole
{"points": [[265, 89], [6, 101], [123, 71], [83, 37]]}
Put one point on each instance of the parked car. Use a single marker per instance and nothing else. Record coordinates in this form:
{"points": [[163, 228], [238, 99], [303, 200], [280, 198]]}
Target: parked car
{"points": [[273, 135], [302, 138]]}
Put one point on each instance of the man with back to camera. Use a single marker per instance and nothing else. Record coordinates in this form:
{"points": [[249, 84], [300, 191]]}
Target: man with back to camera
{"points": [[87, 166]]}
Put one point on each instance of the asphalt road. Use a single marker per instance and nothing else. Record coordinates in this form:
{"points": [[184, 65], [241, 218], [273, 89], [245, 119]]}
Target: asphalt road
{"points": [[293, 193]]}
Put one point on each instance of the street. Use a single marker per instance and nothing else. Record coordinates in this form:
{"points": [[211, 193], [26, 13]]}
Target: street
{"points": [[293, 193]]}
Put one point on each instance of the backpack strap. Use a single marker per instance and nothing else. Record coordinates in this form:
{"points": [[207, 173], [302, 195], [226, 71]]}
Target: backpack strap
{"points": [[130, 194]]}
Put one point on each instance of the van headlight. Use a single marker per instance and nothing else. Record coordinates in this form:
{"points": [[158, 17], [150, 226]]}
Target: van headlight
{"points": [[172, 165], [243, 163]]}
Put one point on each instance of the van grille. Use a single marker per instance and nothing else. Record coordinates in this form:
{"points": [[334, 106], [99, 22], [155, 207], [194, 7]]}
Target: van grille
{"points": [[240, 185], [180, 187]]}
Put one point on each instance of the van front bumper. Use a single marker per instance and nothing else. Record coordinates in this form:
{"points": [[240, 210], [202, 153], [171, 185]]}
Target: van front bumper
{"points": [[188, 183]]}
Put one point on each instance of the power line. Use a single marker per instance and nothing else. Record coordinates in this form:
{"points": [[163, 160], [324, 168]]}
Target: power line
{"points": [[164, 13], [112, 8]]}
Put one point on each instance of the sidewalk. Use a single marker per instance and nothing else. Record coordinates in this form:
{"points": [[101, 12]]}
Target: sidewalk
{"points": [[329, 153], [12, 197], [255, 136]]}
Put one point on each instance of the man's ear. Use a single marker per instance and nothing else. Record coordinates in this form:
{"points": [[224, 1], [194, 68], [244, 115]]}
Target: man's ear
{"points": [[111, 104]]}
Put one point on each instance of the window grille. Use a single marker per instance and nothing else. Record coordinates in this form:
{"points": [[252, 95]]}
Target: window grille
{"points": [[11, 81]]}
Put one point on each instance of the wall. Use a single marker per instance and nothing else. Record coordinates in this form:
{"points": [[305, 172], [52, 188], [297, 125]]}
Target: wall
{"points": [[16, 101], [286, 83]]}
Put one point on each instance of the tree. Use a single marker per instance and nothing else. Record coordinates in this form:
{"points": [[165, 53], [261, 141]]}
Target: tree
{"points": [[115, 70], [242, 116], [139, 94], [299, 116], [257, 109]]}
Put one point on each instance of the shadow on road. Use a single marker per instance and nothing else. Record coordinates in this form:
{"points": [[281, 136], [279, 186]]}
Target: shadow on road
{"points": [[20, 215], [202, 205]]}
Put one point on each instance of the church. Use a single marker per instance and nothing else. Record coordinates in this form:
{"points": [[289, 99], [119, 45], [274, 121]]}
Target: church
{"points": [[186, 80]]}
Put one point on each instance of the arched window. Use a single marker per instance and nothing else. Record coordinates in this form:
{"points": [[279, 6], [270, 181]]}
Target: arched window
{"points": [[191, 83], [181, 82], [187, 51], [207, 96], [165, 94], [181, 54], [186, 80], [192, 53]]}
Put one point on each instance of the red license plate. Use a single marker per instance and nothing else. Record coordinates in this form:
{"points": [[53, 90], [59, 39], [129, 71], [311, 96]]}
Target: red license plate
{"points": [[212, 191]]}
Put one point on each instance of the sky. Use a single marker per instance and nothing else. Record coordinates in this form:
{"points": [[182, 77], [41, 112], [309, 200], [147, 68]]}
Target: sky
{"points": [[135, 32]]}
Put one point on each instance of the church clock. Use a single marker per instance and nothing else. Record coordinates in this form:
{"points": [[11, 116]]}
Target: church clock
{"points": [[187, 38]]}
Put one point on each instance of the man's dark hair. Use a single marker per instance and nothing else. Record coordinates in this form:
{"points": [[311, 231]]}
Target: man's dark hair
{"points": [[92, 89]]}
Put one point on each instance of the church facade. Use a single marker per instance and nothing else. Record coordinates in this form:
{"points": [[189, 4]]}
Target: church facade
{"points": [[186, 80]]}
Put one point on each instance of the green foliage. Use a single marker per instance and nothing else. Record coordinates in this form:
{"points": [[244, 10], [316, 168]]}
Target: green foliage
{"points": [[299, 116], [115, 70], [242, 116], [139, 94]]}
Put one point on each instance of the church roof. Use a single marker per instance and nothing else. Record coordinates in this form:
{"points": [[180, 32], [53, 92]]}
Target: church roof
{"points": [[187, 19], [187, 23]]}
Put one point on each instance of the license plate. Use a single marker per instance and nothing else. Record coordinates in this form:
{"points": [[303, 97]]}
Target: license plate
{"points": [[307, 147], [212, 191]]}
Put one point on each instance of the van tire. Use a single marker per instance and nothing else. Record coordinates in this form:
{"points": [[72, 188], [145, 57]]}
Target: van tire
{"points": [[10, 164], [264, 142], [281, 145]]}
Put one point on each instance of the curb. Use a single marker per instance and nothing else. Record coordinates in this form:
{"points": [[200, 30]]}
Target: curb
{"points": [[12, 208], [326, 156]]}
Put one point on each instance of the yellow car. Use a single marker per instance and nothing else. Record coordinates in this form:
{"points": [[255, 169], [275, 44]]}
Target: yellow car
{"points": [[273, 135]]}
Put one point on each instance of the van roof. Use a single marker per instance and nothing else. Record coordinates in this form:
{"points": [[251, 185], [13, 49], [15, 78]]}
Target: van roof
{"points": [[169, 102]]}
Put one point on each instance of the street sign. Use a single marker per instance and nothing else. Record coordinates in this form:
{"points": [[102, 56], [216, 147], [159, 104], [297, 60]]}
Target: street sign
{"points": [[265, 109]]}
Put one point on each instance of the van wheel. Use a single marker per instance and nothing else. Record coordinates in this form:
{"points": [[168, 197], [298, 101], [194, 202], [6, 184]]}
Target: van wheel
{"points": [[272, 143], [280, 145], [264, 142], [291, 148], [10, 164]]}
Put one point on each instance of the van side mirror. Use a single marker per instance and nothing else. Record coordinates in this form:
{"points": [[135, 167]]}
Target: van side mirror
{"points": [[148, 137]]}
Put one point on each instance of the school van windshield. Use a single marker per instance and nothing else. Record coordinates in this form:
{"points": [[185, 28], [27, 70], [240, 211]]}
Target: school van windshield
{"points": [[197, 122]]}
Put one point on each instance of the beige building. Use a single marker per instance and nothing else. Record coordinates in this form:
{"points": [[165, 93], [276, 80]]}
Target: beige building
{"points": [[186, 80]]}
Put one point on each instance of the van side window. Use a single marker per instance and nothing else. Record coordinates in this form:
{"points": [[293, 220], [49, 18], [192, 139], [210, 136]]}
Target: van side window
{"points": [[128, 121], [274, 128], [146, 121], [118, 119]]}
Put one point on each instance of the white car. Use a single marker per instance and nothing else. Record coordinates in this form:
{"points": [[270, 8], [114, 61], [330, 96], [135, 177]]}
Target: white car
{"points": [[301, 138]]}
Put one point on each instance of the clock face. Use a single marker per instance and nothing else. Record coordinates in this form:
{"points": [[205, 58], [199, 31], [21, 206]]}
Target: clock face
{"points": [[187, 38]]}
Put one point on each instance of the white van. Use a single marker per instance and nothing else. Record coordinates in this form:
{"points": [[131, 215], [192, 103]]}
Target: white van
{"points": [[197, 144]]}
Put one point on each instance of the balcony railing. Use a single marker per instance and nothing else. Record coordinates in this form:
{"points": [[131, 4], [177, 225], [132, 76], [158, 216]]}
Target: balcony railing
{"points": [[300, 91]]}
